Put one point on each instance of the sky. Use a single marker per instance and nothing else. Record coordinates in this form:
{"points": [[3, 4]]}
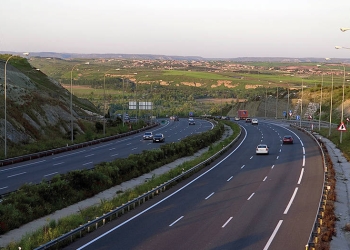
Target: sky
{"points": [[205, 28]]}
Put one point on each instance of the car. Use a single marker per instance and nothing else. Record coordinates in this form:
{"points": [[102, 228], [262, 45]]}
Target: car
{"points": [[262, 149], [255, 121], [248, 120], [148, 136], [191, 121], [176, 118], [287, 139], [158, 138], [237, 118]]}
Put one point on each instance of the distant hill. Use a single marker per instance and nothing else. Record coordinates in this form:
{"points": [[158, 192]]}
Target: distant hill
{"points": [[186, 58]]}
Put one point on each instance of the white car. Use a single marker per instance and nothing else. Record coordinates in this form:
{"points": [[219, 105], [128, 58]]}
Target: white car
{"points": [[148, 136], [191, 121], [262, 149], [255, 121]]}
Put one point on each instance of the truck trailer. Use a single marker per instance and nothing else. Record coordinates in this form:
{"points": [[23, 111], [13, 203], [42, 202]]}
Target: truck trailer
{"points": [[242, 114]]}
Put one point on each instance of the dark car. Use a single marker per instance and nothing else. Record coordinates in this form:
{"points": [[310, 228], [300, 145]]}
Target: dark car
{"points": [[287, 139], [158, 138], [191, 121], [248, 120]]}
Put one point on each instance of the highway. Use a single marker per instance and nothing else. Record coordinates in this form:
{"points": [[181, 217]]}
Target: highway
{"points": [[242, 201], [34, 171]]}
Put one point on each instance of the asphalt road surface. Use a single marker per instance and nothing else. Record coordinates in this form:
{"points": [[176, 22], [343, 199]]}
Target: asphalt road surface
{"points": [[14, 176], [243, 201]]}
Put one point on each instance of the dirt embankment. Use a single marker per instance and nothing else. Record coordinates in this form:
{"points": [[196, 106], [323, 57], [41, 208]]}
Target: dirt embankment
{"points": [[263, 108]]}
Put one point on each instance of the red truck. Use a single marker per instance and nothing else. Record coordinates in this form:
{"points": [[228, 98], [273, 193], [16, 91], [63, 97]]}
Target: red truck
{"points": [[242, 114]]}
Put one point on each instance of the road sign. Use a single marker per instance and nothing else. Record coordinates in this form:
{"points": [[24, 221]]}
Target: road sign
{"points": [[342, 127]]}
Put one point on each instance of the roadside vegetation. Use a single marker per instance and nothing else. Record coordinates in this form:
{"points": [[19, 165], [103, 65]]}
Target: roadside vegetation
{"points": [[216, 89], [128, 169]]}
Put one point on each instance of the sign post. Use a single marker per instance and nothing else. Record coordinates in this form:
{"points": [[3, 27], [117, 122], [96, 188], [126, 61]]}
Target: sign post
{"points": [[341, 127]]}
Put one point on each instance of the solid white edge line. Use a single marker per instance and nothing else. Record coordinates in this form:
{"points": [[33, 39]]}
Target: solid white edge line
{"points": [[25, 165], [273, 235], [229, 219], [291, 201], [176, 221], [57, 157], [301, 175], [303, 160], [165, 198]]}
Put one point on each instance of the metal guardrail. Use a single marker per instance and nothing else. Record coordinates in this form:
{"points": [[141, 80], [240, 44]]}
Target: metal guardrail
{"points": [[313, 239], [28, 157], [115, 213], [65, 149]]}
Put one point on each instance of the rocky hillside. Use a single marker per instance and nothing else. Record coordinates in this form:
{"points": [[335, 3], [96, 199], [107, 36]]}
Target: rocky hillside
{"points": [[37, 107]]}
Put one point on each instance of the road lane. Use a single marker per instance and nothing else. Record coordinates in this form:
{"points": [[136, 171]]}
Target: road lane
{"points": [[246, 202], [13, 176]]}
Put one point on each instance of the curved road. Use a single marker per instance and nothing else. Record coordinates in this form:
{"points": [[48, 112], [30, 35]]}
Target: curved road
{"points": [[13, 176], [244, 201]]}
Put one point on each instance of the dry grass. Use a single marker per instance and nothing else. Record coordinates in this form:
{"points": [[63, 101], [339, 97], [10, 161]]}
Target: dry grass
{"points": [[328, 229]]}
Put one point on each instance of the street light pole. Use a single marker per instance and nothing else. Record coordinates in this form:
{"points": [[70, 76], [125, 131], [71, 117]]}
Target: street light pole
{"points": [[342, 106], [5, 91], [288, 104], [301, 105], [71, 103], [5, 101], [265, 101], [123, 104], [319, 117], [331, 108], [276, 100]]}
